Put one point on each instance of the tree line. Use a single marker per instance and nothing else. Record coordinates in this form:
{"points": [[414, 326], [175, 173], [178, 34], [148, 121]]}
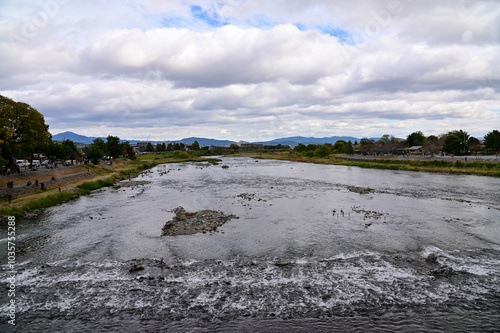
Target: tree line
{"points": [[24, 133], [457, 142], [112, 148]]}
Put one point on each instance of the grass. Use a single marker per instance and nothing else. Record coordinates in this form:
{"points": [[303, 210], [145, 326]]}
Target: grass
{"points": [[458, 167], [50, 200], [480, 168], [87, 187], [44, 202]]}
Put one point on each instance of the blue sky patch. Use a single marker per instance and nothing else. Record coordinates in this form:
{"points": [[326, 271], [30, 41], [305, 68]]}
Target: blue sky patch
{"points": [[210, 18], [261, 21], [342, 35]]}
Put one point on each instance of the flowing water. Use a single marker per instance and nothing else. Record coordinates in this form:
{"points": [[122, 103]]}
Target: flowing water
{"points": [[315, 248]]}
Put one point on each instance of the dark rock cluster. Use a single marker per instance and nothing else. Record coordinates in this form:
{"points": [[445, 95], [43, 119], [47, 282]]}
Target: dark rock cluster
{"points": [[187, 223]]}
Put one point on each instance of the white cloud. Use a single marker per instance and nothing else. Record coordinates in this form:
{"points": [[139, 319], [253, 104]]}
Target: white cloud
{"points": [[255, 70]]}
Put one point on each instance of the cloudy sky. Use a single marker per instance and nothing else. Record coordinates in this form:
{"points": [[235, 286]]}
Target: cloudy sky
{"points": [[254, 69]]}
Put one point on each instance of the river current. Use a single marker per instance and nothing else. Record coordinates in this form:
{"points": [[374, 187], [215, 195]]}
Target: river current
{"points": [[315, 248]]}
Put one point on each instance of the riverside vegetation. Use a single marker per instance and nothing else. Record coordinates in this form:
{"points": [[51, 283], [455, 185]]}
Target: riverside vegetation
{"points": [[107, 176], [104, 175], [427, 164]]}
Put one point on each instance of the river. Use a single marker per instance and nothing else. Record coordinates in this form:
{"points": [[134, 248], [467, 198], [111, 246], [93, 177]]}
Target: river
{"points": [[316, 248]]}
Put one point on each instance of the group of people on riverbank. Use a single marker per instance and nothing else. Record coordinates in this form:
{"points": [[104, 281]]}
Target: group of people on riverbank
{"points": [[6, 171]]}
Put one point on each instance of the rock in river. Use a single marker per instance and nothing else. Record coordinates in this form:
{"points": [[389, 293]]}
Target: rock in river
{"points": [[186, 223]]}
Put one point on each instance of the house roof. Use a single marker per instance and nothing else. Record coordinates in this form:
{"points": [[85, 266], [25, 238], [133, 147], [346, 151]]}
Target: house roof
{"points": [[415, 148]]}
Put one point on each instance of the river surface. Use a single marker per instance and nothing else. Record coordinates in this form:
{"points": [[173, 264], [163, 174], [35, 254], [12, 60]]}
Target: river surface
{"points": [[316, 248]]}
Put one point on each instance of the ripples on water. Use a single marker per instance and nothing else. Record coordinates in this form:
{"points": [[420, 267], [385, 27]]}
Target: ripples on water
{"points": [[289, 264], [362, 290]]}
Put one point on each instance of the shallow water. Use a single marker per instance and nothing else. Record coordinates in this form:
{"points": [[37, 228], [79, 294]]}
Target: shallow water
{"points": [[308, 253]]}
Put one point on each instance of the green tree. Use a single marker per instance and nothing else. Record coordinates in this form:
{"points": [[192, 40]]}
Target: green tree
{"points": [[180, 146], [432, 138], [415, 139], [492, 141], [348, 148], [113, 146], [54, 150], [342, 147], [195, 145], [338, 147], [311, 147], [99, 143], [300, 148], [322, 151], [234, 146], [22, 130], [456, 142], [128, 150], [94, 153], [70, 150], [365, 141], [149, 147], [474, 145]]}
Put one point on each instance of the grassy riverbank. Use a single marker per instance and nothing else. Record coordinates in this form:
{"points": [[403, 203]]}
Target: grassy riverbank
{"points": [[482, 168], [86, 178]]}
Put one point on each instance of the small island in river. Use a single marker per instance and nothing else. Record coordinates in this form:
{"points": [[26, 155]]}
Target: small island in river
{"points": [[185, 223]]}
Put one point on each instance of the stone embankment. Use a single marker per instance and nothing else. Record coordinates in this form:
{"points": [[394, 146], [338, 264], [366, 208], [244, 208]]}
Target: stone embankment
{"points": [[185, 223]]}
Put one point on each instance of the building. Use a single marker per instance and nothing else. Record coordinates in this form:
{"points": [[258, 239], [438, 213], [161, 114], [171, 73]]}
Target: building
{"points": [[251, 146], [140, 147], [415, 150]]}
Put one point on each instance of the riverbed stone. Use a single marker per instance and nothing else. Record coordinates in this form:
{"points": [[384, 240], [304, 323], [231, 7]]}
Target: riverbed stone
{"points": [[188, 223], [443, 271]]}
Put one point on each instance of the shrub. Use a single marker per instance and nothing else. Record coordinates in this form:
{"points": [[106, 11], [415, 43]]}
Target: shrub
{"points": [[14, 211], [322, 151], [309, 154], [48, 201], [86, 187]]}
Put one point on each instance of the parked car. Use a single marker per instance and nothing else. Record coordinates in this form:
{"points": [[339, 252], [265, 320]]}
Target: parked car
{"points": [[23, 163]]}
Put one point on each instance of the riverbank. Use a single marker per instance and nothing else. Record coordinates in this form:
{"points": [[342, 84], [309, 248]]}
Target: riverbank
{"points": [[457, 165], [66, 183]]}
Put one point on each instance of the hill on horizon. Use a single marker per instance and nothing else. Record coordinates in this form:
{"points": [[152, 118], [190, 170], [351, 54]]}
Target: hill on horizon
{"points": [[295, 140], [77, 138], [291, 141]]}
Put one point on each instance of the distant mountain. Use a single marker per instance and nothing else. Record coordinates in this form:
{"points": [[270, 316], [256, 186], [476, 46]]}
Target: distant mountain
{"points": [[88, 139], [206, 142], [295, 140], [290, 141], [73, 137]]}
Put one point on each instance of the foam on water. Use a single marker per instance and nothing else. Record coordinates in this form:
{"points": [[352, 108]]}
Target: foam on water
{"points": [[242, 287]]}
